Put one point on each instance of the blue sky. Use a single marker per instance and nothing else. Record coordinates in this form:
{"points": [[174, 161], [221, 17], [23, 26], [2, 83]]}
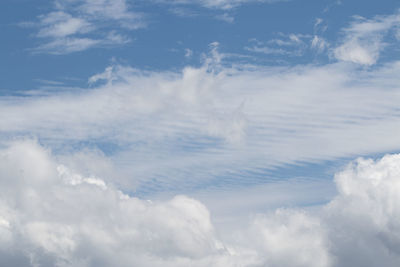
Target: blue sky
{"points": [[53, 50], [165, 32], [242, 116]]}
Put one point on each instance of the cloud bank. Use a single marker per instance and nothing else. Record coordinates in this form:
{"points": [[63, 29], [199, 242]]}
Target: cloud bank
{"points": [[51, 216], [235, 120]]}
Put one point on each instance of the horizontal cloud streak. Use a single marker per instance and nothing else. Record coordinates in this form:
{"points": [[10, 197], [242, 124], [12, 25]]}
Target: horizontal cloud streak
{"points": [[252, 118], [79, 25], [218, 4]]}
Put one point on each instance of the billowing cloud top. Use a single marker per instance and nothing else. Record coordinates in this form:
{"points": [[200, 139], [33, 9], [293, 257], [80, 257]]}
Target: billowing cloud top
{"points": [[51, 216]]}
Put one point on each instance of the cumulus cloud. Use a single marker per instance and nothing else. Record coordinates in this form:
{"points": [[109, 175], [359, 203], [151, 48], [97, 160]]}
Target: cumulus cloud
{"points": [[53, 216], [364, 217], [59, 218], [363, 40]]}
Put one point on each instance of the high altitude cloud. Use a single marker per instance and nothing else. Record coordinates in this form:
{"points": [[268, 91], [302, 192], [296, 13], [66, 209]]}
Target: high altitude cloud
{"points": [[219, 4], [52, 216], [232, 119], [77, 25], [364, 39]]}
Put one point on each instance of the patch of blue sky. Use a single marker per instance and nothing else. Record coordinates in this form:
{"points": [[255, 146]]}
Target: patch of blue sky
{"points": [[237, 179], [173, 40]]}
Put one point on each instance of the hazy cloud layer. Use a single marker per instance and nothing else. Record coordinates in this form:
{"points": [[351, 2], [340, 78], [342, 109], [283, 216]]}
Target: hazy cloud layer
{"points": [[233, 120]]}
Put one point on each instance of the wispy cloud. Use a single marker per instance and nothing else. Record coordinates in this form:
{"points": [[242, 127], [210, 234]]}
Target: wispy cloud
{"points": [[183, 12], [288, 44], [226, 17], [219, 4], [79, 25], [61, 24], [234, 120], [363, 40], [319, 44]]}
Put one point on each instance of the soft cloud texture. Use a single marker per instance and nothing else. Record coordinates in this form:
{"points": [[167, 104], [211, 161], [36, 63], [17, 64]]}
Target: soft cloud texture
{"points": [[52, 216], [238, 120], [288, 45], [82, 24], [364, 39], [219, 4], [70, 197]]}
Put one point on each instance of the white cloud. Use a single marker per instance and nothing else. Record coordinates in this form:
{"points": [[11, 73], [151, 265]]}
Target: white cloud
{"points": [[52, 216], [289, 44], [59, 219], [60, 24], [183, 12], [358, 53], [67, 45], [216, 120], [117, 10], [318, 43], [188, 53], [364, 217], [82, 24], [66, 219], [267, 50], [220, 4], [289, 238], [364, 39]]}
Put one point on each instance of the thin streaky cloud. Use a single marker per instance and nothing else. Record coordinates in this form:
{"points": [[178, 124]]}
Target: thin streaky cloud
{"points": [[305, 113], [75, 26]]}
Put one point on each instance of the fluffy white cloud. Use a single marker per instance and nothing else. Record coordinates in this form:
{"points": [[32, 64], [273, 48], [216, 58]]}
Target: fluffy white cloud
{"points": [[364, 39], [364, 218], [52, 216], [65, 219]]}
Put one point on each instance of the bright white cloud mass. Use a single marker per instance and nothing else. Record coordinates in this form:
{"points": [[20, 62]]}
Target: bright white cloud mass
{"points": [[232, 155], [364, 39], [51, 216]]}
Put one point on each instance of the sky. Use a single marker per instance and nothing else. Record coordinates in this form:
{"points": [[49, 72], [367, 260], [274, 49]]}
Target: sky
{"points": [[240, 133]]}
